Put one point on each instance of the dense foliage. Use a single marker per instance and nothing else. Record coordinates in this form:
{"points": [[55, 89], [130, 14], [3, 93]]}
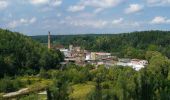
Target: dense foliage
{"points": [[19, 54], [115, 83], [133, 45], [8, 84]]}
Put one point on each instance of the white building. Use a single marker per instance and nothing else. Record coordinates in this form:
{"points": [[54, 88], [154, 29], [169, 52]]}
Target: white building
{"points": [[66, 52], [136, 64], [88, 56]]}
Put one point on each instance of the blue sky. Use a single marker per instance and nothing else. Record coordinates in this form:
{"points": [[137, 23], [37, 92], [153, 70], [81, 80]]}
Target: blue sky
{"points": [[37, 17]]}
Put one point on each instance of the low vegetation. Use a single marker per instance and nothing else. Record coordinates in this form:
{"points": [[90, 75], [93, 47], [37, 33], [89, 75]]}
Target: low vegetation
{"points": [[81, 91]]}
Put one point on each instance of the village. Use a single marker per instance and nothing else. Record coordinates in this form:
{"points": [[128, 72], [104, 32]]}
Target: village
{"points": [[82, 57], [84, 50]]}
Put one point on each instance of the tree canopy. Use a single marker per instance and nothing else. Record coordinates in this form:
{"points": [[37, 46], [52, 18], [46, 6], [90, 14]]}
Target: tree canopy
{"points": [[132, 45], [20, 54]]}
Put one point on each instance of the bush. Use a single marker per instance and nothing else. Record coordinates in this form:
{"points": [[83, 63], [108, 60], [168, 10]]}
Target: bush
{"points": [[8, 85], [30, 97]]}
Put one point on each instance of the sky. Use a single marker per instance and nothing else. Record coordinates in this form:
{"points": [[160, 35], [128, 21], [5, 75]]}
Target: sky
{"points": [[37, 17]]}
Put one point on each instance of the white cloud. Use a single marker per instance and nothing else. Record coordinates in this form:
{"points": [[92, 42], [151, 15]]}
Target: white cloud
{"points": [[153, 1], [99, 5], [160, 20], [134, 24], [76, 8], [87, 20], [102, 3], [59, 14], [158, 2], [124, 23], [3, 4], [133, 8], [21, 21], [43, 2], [98, 10], [94, 23], [84, 22], [90, 23], [57, 2], [118, 21], [32, 20], [39, 2], [86, 15]]}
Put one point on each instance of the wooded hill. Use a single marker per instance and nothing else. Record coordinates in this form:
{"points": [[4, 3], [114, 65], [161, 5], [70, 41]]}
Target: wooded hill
{"points": [[132, 45], [20, 54]]}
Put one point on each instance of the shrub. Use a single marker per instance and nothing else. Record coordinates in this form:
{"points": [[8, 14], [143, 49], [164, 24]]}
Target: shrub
{"points": [[8, 85]]}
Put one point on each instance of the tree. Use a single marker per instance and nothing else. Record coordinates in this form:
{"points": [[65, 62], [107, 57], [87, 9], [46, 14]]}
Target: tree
{"points": [[20, 54]]}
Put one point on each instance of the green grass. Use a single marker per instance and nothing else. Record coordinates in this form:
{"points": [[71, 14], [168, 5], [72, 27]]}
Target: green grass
{"points": [[34, 97], [34, 84], [81, 91]]}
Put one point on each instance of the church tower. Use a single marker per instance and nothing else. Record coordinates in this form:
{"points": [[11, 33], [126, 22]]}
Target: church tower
{"points": [[49, 41]]}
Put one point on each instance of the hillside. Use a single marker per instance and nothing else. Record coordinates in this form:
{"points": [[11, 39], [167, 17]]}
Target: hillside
{"points": [[118, 44], [20, 54], [24, 57]]}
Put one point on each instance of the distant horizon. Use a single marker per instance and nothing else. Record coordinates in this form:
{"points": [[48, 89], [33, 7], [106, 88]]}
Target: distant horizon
{"points": [[104, 33], [36, 17]]}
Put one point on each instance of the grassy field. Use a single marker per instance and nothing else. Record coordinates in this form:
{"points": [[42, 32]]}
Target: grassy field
{"points": [[81, 91], [33, 85], [34, 97]]}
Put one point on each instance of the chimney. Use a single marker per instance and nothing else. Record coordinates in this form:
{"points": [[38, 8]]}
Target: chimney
{"points": [[49, 41]]}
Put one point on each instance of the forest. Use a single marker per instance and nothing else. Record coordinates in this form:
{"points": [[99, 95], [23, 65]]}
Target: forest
{"points": [[20, 54], [131, 45], [28, 63]]}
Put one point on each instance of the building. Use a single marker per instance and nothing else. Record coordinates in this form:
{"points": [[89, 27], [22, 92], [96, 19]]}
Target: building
{"points": [[71, 47], [136, 64], [66, 52], [139, 62], [99, 55], [88, 56], [82, 57]]}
